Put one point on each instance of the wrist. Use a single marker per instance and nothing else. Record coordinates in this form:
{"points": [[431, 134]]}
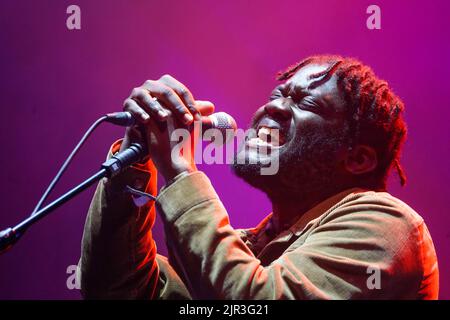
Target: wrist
{"points": [[171, 173]]}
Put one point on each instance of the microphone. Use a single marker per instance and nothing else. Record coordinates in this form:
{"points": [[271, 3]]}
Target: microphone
{"points": [[220, 120], [136, 152], [121, 160]]}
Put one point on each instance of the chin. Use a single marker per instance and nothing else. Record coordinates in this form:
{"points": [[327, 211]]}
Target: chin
{"points": [[248, 168], [307, 164]]}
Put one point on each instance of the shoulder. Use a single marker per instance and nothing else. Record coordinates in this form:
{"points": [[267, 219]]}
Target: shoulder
{"points": [[377, 218], [377, 230], [382, 206]]}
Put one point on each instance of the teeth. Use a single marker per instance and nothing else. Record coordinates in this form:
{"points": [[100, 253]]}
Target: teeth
{"points": [[265, 134], [275, 137], [264, 130], [257, 142]]}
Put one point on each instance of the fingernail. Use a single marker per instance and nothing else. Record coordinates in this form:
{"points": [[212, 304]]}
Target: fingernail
{"points": [[145, 116], [188, 118], [162, 113], [197, 116]]}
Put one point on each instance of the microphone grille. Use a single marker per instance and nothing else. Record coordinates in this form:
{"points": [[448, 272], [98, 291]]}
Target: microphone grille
{"points": [[223, 121], [225, 124]]}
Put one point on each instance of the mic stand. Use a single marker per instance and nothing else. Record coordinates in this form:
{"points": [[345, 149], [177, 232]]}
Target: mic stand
{"points": [[109, 168]]}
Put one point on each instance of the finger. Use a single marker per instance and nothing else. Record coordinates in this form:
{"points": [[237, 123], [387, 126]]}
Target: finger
{"points": [[205, 108], [169, 99], [136, 111], [149, 104], [132, 134], [183, 92]]}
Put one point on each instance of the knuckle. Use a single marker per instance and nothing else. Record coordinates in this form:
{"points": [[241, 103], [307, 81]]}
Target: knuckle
{"points": [[126, 103], [192, 108], [180, 109], [154, 107], [142, 95], [136, 91], [166, 93], [148, 83], [184, 92], [130, 106], [166, 77]]}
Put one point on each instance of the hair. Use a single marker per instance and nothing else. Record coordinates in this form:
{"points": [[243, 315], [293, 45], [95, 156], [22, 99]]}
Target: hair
{"points": [[375, 113]]}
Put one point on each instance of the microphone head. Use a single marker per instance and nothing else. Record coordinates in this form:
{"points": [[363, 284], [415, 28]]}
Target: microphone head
{"points": [[223, 121], [225, 124]]}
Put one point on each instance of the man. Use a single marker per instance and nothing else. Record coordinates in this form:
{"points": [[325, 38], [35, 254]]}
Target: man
{"points": [[334, 232]]}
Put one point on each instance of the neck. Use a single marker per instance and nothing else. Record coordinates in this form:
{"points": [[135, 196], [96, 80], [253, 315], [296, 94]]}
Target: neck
{"points": [[288, 210]]}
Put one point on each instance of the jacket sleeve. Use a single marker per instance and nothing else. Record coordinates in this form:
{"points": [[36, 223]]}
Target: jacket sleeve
{"points": [[363, 250], [118, 252]]}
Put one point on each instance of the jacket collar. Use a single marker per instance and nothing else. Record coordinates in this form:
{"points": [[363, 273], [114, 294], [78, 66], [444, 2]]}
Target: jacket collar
{"points": [[314, 213]]}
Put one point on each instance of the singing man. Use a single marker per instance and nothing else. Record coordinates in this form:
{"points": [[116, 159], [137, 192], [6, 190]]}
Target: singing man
{"points": [[334, 231]]}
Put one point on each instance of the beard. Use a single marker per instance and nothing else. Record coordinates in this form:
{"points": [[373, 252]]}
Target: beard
{"points": [[307, 166]]}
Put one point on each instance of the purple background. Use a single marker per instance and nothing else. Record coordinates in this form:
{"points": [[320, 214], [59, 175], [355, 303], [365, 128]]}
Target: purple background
{"points": [[54, 83]]}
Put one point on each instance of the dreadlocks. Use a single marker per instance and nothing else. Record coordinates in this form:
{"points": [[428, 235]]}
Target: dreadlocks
{"points": [[374, 111]]}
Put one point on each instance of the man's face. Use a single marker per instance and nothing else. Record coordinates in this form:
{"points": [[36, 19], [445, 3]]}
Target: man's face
{"points": [[311, 126]]}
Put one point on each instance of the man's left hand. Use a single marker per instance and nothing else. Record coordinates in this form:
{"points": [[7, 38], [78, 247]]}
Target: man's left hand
{"points": [[161, 107]]}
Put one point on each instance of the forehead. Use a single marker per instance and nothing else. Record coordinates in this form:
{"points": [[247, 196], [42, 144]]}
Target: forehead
{"points": [[327, 90], [302, 77]]}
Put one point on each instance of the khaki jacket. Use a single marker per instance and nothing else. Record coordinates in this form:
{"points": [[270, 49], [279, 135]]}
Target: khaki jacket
{"points": [[355, 245]]}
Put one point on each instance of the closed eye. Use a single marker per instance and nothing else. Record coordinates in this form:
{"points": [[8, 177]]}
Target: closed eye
{"points": [[275, 96], [309, 102]]}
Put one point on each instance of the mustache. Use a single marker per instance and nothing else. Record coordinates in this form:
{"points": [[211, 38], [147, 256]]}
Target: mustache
{"points": [[255, 119]]}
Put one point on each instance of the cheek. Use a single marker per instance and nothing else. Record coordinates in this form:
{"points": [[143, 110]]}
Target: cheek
{"points": [[307, 122]]}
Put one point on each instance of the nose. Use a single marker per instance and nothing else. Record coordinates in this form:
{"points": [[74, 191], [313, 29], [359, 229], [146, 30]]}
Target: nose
{"points": [[279, 109]]}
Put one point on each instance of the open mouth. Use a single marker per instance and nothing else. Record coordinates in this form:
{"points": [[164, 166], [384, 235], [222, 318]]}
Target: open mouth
{"points": [[268, 134]]}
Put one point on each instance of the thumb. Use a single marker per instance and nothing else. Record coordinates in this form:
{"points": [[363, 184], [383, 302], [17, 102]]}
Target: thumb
{"points": [[132, 134], [205, 108]]}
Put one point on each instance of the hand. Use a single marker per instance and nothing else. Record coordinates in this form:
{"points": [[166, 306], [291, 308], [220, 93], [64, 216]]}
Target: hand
{"points": [[174, 108]]}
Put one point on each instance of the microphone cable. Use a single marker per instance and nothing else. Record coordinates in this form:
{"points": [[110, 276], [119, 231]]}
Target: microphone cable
{"points": [[67, 162]]}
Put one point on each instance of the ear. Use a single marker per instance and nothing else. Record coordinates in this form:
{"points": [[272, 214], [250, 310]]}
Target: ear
{"points": [[361, 159]]}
